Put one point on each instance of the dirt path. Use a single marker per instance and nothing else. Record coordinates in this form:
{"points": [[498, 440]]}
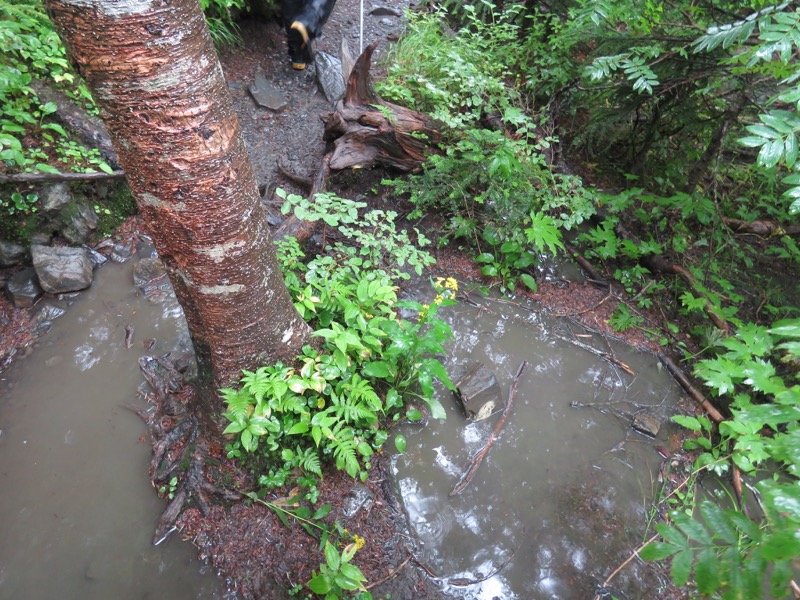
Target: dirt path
{"points": [[293, 135]]}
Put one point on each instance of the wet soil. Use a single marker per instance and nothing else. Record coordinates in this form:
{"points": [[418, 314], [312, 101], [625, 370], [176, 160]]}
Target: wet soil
{"points": [[259, 556]]}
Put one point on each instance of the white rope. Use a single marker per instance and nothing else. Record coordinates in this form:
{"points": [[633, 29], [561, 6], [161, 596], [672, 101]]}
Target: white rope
{"points": [[361, 30]]}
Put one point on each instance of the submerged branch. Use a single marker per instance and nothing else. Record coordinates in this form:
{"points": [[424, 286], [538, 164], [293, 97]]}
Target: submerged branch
{"points": [[478, 458]]}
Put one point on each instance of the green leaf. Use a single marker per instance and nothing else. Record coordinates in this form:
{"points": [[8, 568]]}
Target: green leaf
{"points": [[300, 427], [484, 258], [529, 281], [681, 567], [436, 408], [377, 369], [658, 551], [413, 415], [688, 422], [400, 443], [322, 512], [706, 571], [718, 523], [332, 556], [320, 584], [781, 545]]}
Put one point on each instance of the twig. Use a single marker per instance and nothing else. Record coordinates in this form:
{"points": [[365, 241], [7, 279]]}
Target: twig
{"points": [[390, 575], [693, 392], [624, 564], [478, 458], [604, 355]]}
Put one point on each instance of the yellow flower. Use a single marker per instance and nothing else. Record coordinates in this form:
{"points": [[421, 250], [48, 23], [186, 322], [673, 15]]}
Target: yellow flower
{"points": [[359, 541], [451, 284]]}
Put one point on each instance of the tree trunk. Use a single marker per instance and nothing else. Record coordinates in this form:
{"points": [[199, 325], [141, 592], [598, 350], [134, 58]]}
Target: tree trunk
{"points": [[161, 92]]}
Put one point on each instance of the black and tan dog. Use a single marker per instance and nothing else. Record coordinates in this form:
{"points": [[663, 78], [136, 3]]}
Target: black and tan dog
{"points": [[303, 20]]}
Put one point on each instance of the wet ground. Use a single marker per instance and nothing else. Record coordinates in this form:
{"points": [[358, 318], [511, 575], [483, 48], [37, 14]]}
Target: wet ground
{"points": [[559, 502], [77, 509]]}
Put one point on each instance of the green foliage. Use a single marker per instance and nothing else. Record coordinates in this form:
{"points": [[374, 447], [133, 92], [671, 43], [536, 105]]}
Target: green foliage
{"points": [[725, 550], [221, 20], [491, 174], [331, 404], [30, 49], [337, 575], [15, 203]]}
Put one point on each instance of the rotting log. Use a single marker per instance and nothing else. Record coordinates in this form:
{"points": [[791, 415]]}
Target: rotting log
{"points": [[367, 131], [364, 131]]}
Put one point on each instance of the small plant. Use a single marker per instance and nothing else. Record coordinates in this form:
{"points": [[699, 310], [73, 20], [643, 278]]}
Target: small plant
{"points": [[19, 203], [330, 406], [169, 488], [337, 575]]}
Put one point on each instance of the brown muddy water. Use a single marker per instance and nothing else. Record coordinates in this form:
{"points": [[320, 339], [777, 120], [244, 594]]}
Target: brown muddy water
{"points": [[561, 499], [77, 513]]}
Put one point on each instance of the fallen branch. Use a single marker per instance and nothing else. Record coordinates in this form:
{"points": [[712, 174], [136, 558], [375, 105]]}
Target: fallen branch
{"points": [[390, 575], [693, 392], [595, 276], [56, 177], [760, 227], [624, 564], [604, 355], [478, 458]]}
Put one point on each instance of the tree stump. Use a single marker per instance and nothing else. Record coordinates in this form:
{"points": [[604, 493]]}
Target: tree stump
{"points": [[367, 131]]}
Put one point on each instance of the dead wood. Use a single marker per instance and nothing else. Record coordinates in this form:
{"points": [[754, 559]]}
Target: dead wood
{"points": [[57, 177], [604, 355], [659, 263], [594, 275], [693, 392], [478, 458], [761, 227], [88, 128], [366, 131]]}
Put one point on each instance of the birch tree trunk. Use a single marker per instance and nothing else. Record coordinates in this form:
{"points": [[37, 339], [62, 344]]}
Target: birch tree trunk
{"points": [[155, 76]]}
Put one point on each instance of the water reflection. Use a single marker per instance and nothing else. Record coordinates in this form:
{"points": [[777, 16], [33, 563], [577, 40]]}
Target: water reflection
{"points": [[76, 505], [565, 486]]}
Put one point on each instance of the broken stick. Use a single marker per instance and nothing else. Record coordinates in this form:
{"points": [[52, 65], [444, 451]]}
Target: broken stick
{"points": [[478, 458]]}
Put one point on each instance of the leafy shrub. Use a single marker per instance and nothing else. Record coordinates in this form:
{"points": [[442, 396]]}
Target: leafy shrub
{"points": [[331, 404], [491, 176], [725, 550]]}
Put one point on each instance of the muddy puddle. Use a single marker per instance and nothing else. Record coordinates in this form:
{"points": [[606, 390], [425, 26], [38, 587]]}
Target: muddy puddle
{"points": [[76, 508], [559, 502], [562, 497]]}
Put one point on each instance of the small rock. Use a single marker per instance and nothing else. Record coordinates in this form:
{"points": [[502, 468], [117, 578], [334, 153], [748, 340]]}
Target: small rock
{"points": [[96, 258], [385, 11], [11, 254], [23, 288], [48, 312], [646, 423], [478, 392], [329, 76], [54, 197], [122, 252], [41, 238], [359, 497], [150, 276], [77, 223], [265, 94], [62, 269]]}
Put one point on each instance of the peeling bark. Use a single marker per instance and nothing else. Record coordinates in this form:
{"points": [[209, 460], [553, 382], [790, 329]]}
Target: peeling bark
{"points": [[161, 92]]}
